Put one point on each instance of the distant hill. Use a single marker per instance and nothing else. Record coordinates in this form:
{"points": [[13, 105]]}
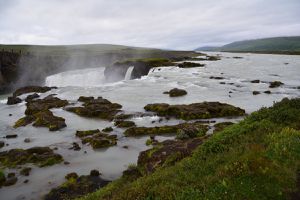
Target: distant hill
{"points": [[285, 45]]}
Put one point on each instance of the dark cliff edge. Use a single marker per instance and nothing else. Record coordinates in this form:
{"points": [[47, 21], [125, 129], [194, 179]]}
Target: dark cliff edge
{"points": [[142, 66]]}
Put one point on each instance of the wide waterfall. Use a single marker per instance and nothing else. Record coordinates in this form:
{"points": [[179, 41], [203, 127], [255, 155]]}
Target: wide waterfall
{"points": [[84, 77], [128, 73]]}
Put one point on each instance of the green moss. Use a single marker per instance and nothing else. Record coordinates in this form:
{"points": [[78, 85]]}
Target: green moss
{"points": [[149, 142], [258, 158], [2, 178], [40, 156], [82, 134], [124, 124], [222, 125], [51, 161], [107, 129], [202, 110], [151, 61]]}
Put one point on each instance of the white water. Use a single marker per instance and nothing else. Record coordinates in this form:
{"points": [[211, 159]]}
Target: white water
{"points": [[128, 73], [84, 78], [134, 95]]}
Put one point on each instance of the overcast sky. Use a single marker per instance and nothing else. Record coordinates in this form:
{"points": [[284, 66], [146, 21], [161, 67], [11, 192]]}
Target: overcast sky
{"points": [[173, 24]]}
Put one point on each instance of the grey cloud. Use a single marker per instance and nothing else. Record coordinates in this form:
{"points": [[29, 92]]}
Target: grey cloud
{"points": [[175, 24]]}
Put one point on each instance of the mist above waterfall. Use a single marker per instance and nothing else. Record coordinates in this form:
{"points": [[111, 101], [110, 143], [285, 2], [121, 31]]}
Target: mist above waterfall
{"points": [[82, 78]]}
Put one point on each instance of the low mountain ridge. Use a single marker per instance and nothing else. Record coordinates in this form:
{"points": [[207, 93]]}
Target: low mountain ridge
{"points": [[284, 45]]}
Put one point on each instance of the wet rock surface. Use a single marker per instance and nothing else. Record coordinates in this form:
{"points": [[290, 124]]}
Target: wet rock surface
{"points": [[37, 111], [97, 139], [216, 77], [124, 124], [45, 104], [25, 171], [31, 97], [30, 89], [275, 84], [13, 100], [167, 153], [175, 92], [42, 119], [76, 186], [190, 65], [203, 110], [190, 129], [255, 92], [2, 144], [98, 108], [40, 156], [255, 81]]}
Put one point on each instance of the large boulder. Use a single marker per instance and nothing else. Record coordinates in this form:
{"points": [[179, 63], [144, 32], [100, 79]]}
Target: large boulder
{"points": [[76, 187], [203, 110], [41, 156], [98, 108], [192, 130], [96, 138], [175, 92], [167, 153], [29, 89]]}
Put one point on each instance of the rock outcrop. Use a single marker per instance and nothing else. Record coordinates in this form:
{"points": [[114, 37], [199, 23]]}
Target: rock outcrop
{"points": [[203, 110]]}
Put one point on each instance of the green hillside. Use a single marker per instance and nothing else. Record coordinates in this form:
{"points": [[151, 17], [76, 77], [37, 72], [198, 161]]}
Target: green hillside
{"points": [[285, 45], [91, 49]]}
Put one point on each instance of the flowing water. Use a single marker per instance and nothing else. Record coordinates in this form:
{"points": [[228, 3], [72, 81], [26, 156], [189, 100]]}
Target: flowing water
{"points": [[128, 73], [134, 95]]}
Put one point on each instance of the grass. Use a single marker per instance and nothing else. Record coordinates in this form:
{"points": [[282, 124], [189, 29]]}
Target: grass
{"points": [[258, 158]]}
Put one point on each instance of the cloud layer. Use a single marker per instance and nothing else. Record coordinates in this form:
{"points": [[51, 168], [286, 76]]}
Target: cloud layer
{"points": [[174, 24]]}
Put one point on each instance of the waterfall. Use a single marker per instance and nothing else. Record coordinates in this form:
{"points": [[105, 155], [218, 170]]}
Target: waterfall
{"points": [[128, 73], [82, 77]]}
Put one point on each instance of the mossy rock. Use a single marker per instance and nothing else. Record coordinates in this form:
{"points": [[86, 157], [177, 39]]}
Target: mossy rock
{"points": [[47, 119], [167, 153], [2, 178], [203, 110], [25, 171], [76, 187], [190, 65], [31, 97], [40, 156], [13, 100], [175, 92], [124, 124], [2, 144], [191, 129], [97, 139], [83, 134], [275, 84], [96, 108], [30, 89], [24, 121], [107, 129], [38, 105], [43, 118]]}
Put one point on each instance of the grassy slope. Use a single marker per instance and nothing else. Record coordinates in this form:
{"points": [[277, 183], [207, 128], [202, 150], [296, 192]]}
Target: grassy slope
{"points": [[255, 159], [94, 49], [272, 45], [97, 49]]}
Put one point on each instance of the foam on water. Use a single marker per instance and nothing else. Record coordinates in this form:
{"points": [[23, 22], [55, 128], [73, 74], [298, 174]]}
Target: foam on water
{"points": [[81, 78]]}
